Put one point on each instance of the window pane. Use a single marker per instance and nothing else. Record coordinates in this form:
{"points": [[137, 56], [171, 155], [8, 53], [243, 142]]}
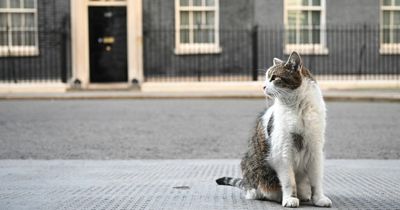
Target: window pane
{"points": [[184, 36], [29, 3], [29, 20], [396, 18], [304, 36], [197, 36], [292, 19], [29, 38], [316, 2], [386, 36], [15, 3], [16, 20], [387, 2], [184, 18], [197, 19], [305, 2], [184, 2], [203, 36], [316, 34], [210, 19], [316, 18], [210, 36], [197, 2], [396, 36], [397, 2], [291, 36], [210, 2], [3, 21], [386, 18], [16, 38], [3, 3], [3, 38], [304, 18]]}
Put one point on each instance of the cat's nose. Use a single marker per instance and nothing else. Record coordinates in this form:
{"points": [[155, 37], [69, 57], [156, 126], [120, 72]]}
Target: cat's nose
{"points": [[264, 87]]}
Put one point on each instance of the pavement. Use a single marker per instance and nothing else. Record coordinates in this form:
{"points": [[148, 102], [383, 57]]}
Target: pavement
{"points": [[178, 184]]}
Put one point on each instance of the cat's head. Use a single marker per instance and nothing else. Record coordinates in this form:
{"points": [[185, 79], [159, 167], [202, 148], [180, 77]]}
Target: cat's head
{"points": [[285, 77]]}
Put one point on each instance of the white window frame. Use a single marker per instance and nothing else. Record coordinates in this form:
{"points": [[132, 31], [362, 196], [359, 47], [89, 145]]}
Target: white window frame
{"points": [[16, 51], [196, 48], [310, 49], [388, 48]]}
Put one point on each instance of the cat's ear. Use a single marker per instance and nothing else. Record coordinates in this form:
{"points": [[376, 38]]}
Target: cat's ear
{"points": [[277, 61], [294, 61]]}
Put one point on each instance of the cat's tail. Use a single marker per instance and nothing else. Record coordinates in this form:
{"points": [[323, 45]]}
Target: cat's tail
{"points": [[235, 182]]}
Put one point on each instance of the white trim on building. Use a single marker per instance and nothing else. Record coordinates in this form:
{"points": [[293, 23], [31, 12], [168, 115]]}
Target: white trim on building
{"points": [[80, 38], [389, 27], [308, 46], [207, 41], [22, 29]]}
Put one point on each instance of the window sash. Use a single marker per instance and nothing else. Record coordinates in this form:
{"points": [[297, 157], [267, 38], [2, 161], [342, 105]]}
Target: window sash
{"points": [[390, 2], [190, 29], [389, 31], [200, 28], [18, 38], [305, 35], [22, 30], [301, 30], [301, 6]]}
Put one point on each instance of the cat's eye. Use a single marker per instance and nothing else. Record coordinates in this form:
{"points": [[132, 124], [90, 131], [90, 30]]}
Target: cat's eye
{"points": [[272, 78]]}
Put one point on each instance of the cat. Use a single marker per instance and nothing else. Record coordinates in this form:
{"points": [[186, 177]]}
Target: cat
{"points": [[284, 159]]}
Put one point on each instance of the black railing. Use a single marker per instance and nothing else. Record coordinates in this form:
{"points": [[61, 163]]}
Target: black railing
{"points": [[348, 52], [345, 52], [46, 59]]}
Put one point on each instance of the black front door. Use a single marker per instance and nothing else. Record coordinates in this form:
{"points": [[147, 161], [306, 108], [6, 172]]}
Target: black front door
{"points": [[108, 45]]}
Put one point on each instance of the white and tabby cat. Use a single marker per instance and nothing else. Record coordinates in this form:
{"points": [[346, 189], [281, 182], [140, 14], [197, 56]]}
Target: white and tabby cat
{"points": [[284, 160]]}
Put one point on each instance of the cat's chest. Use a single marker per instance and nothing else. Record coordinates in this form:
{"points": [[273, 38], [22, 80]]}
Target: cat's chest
{"points": [[301, 121]]}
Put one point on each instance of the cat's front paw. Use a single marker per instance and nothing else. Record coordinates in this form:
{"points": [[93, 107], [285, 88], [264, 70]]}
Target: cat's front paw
{"points": [[291, 202], [322, 201]]}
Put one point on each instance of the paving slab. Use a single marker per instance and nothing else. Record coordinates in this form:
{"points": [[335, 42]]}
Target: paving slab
{"points": [[178, 184]]}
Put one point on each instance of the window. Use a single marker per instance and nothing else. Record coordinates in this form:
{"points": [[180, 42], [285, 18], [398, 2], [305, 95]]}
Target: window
{"points": [[18, 28], [390, 27], [305, 26], [196, 26]]}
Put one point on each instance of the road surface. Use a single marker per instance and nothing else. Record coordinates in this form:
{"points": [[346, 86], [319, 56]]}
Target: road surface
{"points": [[177, 129]]}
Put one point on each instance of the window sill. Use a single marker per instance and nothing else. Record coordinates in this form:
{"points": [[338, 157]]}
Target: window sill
{"points": [[18, 51], [389, 49], [307, 49], [197, 49]]}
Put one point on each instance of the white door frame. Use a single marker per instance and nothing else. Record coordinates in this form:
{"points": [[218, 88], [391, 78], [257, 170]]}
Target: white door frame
{"points": [[80, 39]]}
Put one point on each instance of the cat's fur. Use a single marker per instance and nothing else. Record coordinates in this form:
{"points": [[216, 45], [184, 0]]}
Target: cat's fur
{"points": [[284, 160]]}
